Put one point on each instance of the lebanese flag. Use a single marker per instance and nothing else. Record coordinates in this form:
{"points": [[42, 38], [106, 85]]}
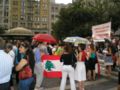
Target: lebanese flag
{"points": [[52, 66]]}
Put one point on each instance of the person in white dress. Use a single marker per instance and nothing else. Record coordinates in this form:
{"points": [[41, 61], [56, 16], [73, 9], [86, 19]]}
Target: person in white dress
{"points": [[80, 71]]}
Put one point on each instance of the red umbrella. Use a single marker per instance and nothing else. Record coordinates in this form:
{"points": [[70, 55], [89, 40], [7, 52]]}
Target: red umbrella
{"points": [[44, 38]]}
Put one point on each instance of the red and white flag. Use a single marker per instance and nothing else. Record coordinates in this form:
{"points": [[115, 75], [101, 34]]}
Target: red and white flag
{"points": [[52, 66]]}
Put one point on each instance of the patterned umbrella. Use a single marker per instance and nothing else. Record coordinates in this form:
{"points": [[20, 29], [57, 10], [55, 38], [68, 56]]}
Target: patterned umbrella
{"points": [[76, 40]]}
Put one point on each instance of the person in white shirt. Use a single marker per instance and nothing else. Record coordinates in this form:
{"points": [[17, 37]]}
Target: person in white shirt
{"points": [[10, 51], [12, 54], [6, 64]]}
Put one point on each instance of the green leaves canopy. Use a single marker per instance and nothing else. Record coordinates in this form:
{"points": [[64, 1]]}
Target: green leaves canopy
{"points": [[78, 18]]}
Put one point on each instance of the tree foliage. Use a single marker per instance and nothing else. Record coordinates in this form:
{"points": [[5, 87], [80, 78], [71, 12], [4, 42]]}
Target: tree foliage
{"points": [[78, 18]]}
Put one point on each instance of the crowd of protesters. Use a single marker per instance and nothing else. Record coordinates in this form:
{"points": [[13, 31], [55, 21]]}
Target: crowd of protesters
{"points": [[79, 62]]}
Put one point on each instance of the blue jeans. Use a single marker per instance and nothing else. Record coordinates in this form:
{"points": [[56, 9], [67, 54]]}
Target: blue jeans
{"points": [[25, 84], [5, 86]]}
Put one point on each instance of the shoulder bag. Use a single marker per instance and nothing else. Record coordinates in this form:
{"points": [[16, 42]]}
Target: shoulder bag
{"points": [[26, 72]]}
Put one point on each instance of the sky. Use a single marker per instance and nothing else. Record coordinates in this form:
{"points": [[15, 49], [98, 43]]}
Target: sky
{"points": [[63, 1]]}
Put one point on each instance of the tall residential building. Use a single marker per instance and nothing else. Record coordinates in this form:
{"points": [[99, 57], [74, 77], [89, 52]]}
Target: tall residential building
{"points": [[21, 13], [37, 15], [41, 16], [4, 13], [54, 12], [44, 15], [52, 1], [32, 14]]}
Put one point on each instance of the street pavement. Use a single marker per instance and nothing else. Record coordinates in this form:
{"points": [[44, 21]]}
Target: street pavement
{"points": [[103, 83]]}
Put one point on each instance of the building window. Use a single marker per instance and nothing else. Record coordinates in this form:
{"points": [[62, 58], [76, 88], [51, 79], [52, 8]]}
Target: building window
{"points": [[7, 1], [52, 9], [6, 20], [38, 19], [22, 24], [45, 1], [15, 3], [52, 16], [14, 24], [6, 13], [45, 7], [56, 8], [30, 25], [15, 10], [44, 19], [44, 25]]}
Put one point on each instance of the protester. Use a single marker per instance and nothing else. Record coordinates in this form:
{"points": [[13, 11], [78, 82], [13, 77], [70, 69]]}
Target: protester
{"points": [[114, 52], [18, 57], [108, 59], [38, 67], [92, 60], [118, 67], [67, 58], [54, 49], [59, 50], [27, 60], [14, 46], [49, 48], [43, 48], [6, 65], [10, 51], [80, 71]]}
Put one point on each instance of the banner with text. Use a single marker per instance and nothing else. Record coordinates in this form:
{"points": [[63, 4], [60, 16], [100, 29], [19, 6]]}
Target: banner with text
{"points": [[101, 32]]}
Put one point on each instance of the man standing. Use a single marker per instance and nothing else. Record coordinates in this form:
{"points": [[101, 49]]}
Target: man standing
{"points": [[6, 64], [9, 50], [38, 70]]}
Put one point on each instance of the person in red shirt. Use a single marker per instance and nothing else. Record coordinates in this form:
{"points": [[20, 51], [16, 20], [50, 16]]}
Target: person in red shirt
{"points": [[80, 71]]}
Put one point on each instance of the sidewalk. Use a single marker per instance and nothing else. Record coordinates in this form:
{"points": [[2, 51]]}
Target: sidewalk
{"points": [[99, 84]]}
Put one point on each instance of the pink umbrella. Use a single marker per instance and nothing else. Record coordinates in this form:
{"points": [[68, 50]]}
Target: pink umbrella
{"points": [[44, 38]]}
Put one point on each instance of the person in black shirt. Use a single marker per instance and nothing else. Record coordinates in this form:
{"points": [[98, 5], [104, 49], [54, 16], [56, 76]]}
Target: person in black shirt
{"points": [[68, 58]]}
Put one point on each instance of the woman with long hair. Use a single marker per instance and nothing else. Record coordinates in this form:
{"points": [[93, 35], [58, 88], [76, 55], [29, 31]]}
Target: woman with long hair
{"points": [[67, 58], [108, 59], [80, 71], [27, 59], [92, 59]]}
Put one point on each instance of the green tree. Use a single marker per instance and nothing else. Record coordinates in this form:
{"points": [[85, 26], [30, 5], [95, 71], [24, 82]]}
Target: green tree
{"points": [[73, 20], [115, 15], [78, 18]]}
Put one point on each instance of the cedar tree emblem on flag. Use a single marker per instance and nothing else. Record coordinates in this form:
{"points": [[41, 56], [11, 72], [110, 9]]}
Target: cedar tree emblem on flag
{"points": [[49, 65]]}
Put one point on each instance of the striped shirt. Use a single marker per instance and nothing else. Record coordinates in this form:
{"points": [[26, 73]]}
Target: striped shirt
{"points": [[6, 64]]}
